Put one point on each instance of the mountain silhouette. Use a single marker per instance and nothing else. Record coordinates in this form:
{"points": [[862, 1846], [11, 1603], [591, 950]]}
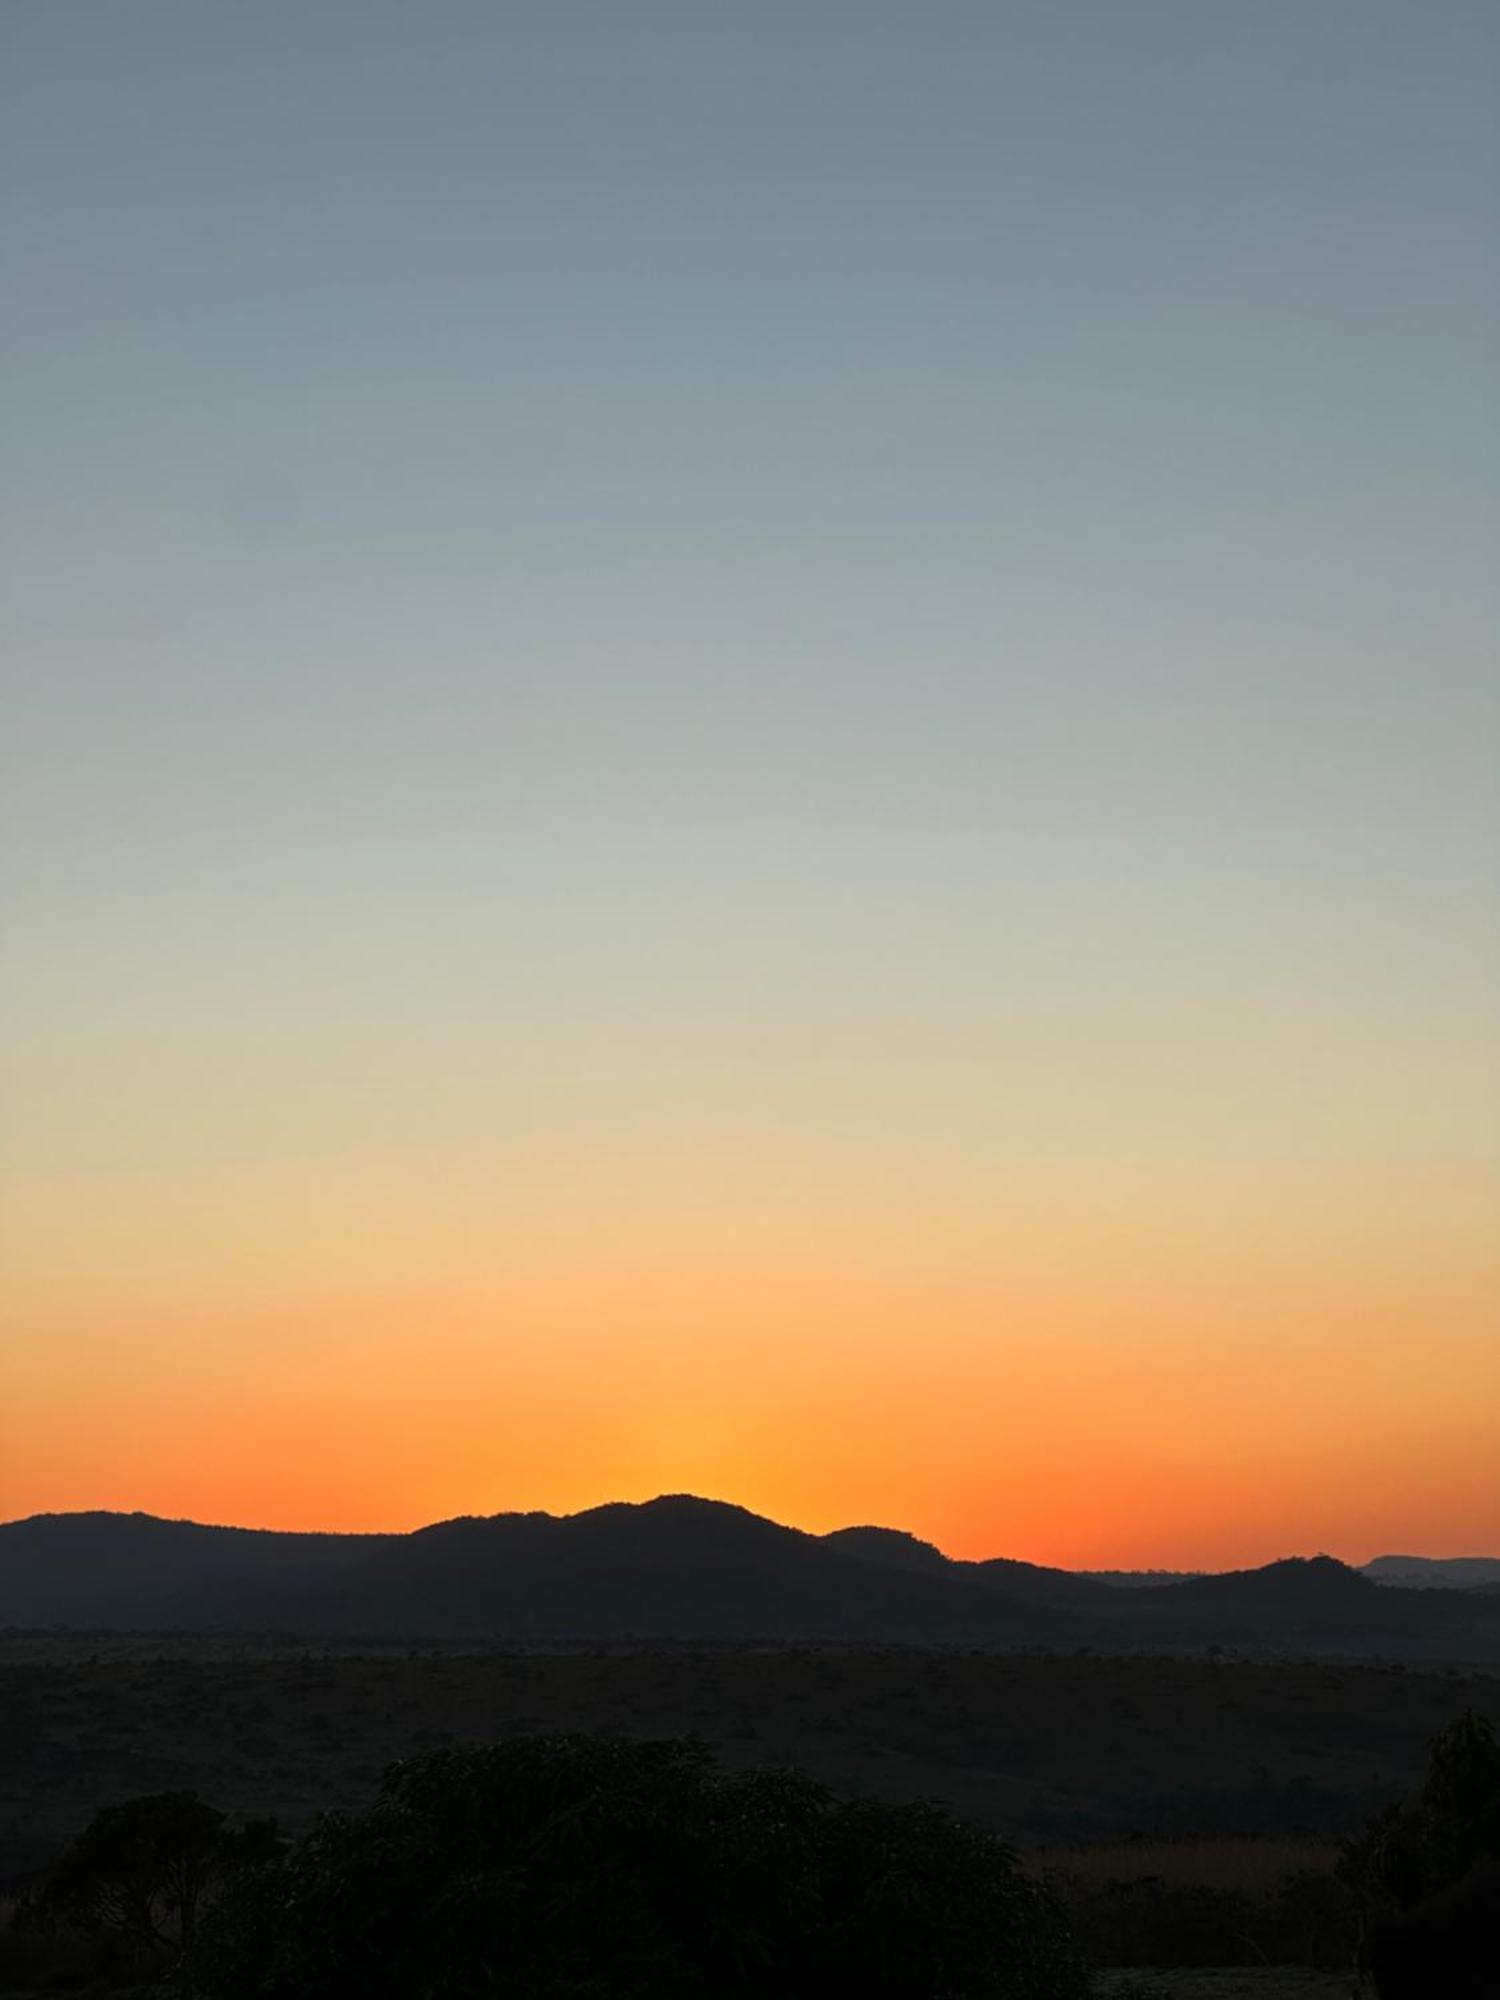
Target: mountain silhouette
{"points": [[688, 1569], [893, 1546], [1437, 1572]]}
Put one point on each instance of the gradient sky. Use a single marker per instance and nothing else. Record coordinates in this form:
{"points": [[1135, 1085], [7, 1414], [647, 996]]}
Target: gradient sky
{"points": [[752, 749]]}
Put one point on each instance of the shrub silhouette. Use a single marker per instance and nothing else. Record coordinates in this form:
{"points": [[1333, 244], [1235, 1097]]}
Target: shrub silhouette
{"points": [[1305, 1918], [1428, 1874], [1148, 1921], [551, 1867], [1415, 1850], [1445, 1946]]}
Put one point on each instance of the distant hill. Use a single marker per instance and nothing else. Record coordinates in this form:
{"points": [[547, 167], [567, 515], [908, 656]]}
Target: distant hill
{"points": [[1310, 1605], [890, 1545], [681, 1568], [1410, 1572], [1436, 1572], [1138, 1579], [676, 1567], [109, 1570]]}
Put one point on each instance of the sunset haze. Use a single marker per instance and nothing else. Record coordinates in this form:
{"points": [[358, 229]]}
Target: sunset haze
{"points": [[753, 752]]}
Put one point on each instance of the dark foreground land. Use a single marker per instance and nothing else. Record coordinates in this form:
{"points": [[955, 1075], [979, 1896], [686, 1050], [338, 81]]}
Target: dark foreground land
{"points": [[1048, 1749]]}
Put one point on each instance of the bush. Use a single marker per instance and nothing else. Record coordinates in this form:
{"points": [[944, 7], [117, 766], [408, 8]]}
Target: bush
{"points": [[1412, 1851], [552, 1867], [1315, 1920], [1151, 1922], [1308, 1917]]}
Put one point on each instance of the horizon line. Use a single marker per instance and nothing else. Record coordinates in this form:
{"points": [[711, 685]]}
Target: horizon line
{"points": [[707, 1500]]}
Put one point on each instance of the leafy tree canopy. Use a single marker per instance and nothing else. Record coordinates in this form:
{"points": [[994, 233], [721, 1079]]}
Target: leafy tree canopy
{"points": [[139, 1871], [558, 1867], [1413, 1850]]}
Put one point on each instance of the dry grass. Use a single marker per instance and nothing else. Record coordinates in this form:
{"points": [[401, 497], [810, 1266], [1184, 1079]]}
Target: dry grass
{"points": [[1253, 1867], [1276, 1982], [1217, 1901]]}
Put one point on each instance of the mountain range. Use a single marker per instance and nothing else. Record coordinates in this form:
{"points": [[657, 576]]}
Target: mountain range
{"points": [[684, 1569]]}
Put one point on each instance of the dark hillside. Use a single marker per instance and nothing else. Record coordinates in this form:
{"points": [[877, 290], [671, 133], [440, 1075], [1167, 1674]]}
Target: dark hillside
{"points": [[680, 1568], [119, 1570], [676, 1567]]}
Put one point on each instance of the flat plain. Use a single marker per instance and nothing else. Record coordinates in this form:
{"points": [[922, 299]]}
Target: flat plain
{"points": [[1050, 1749]]}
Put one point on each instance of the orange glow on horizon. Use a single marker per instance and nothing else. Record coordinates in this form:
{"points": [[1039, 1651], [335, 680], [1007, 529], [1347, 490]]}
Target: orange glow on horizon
{"points": [[1132, 1417]]}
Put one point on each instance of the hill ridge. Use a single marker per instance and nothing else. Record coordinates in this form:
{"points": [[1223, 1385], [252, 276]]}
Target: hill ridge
{"points": [[680, 1567]]}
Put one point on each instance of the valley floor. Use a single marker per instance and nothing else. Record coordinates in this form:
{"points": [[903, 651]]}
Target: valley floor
{"points": [[1046, 1748]]}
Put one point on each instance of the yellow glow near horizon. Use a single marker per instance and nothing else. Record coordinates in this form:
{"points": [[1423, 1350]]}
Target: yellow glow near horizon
{"points": [[1088, 1388]]}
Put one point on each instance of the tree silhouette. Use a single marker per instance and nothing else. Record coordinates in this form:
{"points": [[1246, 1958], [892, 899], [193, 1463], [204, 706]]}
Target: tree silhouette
{"points": [[1428, 1875], [139, 1871], [551, 1867], [1416, 1849]]}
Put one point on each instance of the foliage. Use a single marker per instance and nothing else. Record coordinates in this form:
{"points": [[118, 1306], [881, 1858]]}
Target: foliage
{"points": [[546, 1867], [1315, 1920], [1411, 1851], [1307, 1918], [1152, 1922], [139, 1871]]}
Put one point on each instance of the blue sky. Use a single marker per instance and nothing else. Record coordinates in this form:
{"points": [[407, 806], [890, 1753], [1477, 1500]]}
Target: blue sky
{"points": [[776, 412]]}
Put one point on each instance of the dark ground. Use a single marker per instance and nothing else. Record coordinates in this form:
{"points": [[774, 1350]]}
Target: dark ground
{"points": [[1043, 1748], [1272, 1982]]}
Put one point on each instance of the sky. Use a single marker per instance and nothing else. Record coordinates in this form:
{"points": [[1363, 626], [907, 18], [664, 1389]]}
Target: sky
{"points": [[752, 750]]}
